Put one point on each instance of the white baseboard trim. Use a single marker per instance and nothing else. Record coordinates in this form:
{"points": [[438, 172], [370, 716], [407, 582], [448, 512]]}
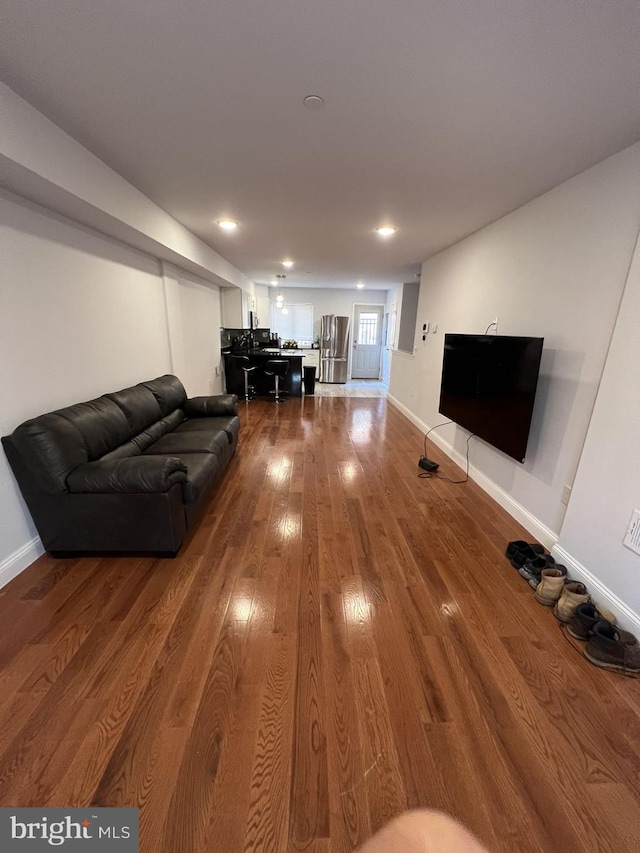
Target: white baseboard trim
{"points": [[601, 594], [540, 531], [19, 560], [627, 618]]}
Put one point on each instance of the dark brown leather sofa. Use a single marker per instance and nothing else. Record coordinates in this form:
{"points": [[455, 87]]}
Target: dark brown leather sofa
{"points": [[126, 472]]}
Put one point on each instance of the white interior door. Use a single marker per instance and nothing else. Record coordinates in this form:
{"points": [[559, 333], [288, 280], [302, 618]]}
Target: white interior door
{"points": [[367, 341]]}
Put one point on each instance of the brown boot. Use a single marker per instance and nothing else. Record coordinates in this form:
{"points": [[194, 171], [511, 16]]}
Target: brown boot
{"points": [[572, 595], [585, 617], [611, 648], [550, 587]]}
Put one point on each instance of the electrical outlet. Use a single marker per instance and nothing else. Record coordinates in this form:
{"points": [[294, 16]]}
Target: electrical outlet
{"points": [[434, 328], [217, 370], [566, 494]]}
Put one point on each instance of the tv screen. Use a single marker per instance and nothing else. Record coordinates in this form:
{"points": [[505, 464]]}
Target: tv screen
{"points": [[489, 387]]}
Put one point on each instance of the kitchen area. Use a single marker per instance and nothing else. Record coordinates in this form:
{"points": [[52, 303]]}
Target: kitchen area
{"points": [[338, 332], [246, 352]]}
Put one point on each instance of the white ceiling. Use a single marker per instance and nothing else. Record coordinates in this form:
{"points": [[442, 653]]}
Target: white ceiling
{"points": [[440, 116]]}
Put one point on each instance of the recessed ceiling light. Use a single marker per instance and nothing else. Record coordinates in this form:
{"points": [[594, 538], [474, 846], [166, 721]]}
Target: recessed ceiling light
{"points": [[287, 264], [313, 102], [386, 230], [227, 224], [360, 286]]}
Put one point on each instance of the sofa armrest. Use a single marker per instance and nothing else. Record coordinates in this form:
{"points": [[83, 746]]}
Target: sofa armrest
{"points": [[211, 407], [128, 476]]}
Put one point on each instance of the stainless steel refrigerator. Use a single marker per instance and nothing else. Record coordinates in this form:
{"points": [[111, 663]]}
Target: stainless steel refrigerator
{"points": [[334, 348]]}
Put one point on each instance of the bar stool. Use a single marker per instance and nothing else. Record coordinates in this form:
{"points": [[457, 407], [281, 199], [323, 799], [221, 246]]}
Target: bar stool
{"points": [[244, 363], [279, 368]]}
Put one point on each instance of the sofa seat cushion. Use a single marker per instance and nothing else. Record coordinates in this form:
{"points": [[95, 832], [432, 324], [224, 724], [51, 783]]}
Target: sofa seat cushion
{"points": [[203, 469], [177, 443], [229, 425]]}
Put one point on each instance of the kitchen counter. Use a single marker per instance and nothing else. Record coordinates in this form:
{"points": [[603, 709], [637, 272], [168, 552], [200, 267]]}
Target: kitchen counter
{"points": [[277, 352], [263, 384], [286, 351]]}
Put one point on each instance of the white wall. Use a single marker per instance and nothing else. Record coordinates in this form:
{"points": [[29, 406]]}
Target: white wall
{"points": [[41, 162], [555, 268], [201, 321], [330, 301], [607, 485], [80, 315]]}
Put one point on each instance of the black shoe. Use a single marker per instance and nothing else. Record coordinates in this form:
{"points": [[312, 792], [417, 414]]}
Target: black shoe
{"points": [[519, 551], [532, 569]]}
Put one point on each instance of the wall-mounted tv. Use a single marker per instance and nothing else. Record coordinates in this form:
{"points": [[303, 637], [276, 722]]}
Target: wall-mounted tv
{"points": [[489, 387]]}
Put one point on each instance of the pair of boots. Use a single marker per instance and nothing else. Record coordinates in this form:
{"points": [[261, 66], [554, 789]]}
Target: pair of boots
{"points": [[607, 646], [565, 596]]}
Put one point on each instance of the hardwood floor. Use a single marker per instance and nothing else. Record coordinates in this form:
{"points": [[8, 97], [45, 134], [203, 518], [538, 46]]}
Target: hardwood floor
{"points": [[338, 641]]}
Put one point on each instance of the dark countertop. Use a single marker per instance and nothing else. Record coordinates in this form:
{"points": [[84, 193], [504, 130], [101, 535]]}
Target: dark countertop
{"points": [[284, 353], [273, 352], [280, 352]]}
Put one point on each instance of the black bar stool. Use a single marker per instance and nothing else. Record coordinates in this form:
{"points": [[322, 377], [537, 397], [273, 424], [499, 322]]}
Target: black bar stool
{"points": [[279, 368], [244, 363]]}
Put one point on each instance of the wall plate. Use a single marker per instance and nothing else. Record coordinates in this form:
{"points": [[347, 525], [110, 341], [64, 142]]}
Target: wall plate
{"points": [[632, 539]]}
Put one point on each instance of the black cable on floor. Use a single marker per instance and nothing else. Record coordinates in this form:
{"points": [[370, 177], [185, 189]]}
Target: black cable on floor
{"points": [[427, 475]]}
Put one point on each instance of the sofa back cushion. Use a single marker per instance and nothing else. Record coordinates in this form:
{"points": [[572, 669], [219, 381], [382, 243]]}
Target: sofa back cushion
{"points": [[56, 443], [169, 393], [139, 405], [101, 424], [115, 425]]}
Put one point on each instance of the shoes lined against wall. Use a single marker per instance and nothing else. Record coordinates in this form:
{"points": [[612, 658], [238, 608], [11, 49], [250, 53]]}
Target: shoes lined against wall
{"points": [[607, 646]]}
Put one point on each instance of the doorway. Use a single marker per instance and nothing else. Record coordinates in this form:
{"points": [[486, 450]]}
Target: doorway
{"points": [[367, 341]]}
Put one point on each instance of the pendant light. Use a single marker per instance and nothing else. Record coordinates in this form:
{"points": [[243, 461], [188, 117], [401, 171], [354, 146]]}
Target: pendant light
{"points": [[280, 297]]}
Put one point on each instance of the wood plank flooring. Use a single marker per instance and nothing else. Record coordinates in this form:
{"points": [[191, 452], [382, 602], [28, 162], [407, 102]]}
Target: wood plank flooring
{"points": [[338, 641]]}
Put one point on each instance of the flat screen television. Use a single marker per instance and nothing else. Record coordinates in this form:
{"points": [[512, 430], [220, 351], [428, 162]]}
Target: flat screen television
{"points": [[489, 387]]}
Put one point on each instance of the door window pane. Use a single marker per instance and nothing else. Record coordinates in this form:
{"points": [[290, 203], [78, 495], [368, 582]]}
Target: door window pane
{"points": [[368, 328]]}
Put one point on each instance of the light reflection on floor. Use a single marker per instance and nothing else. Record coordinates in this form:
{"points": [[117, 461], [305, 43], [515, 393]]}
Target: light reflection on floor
{"points": [[356, 608]]}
